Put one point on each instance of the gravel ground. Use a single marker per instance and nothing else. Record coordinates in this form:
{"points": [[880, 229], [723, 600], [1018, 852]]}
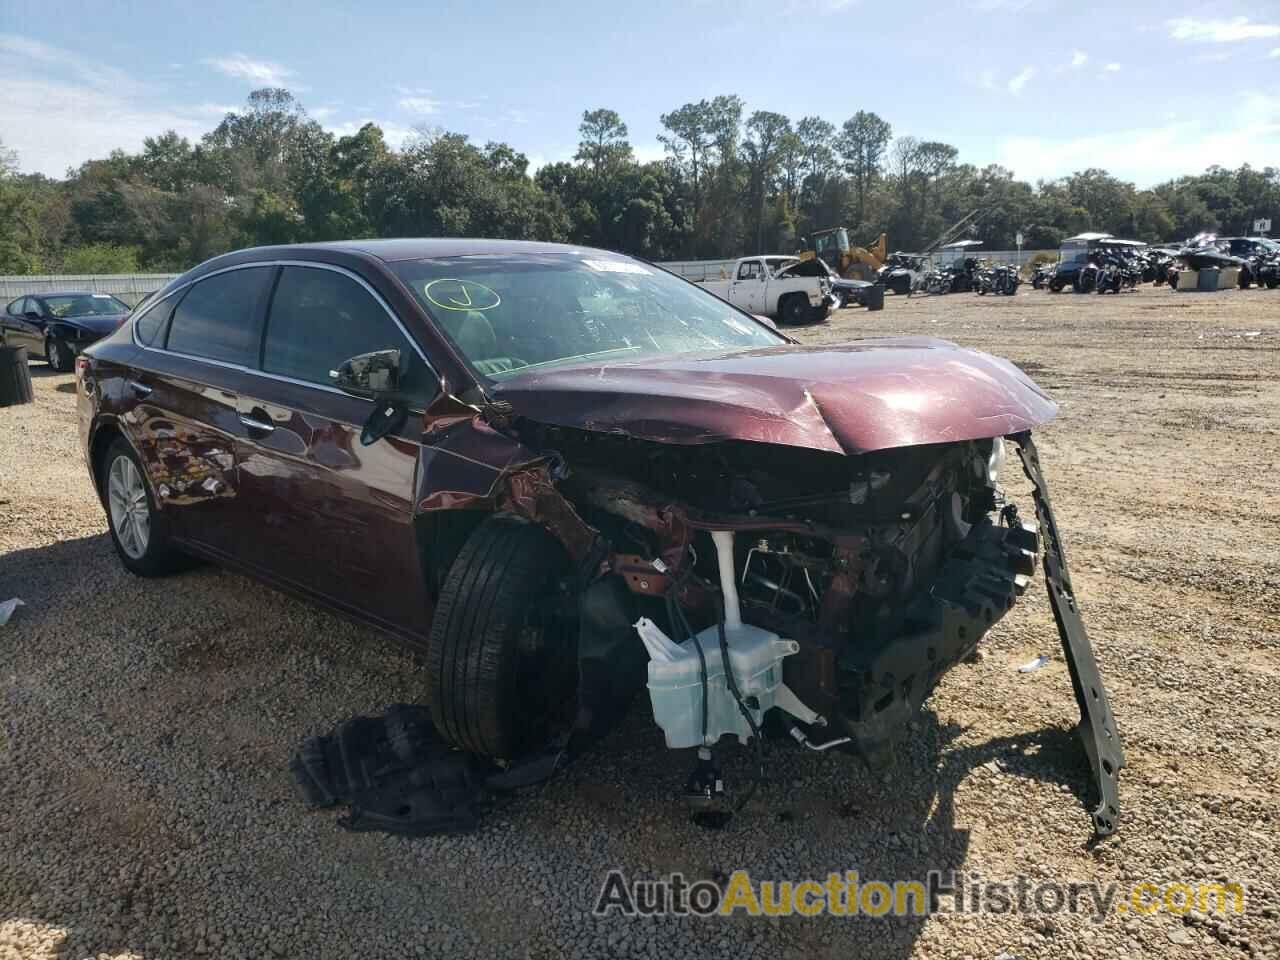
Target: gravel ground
{"points": [[148, 809]]}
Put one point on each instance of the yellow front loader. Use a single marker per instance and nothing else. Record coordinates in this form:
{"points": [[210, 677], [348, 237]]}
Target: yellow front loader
{"points": [[852, 263]]}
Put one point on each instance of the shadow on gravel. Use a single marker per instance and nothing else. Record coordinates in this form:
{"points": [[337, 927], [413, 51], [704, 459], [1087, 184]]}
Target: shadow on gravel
{"points": [[37, 573]]}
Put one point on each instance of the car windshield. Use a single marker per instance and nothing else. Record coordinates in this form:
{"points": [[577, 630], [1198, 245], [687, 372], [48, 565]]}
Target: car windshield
{"points": [[84, 305], [509, 313]]}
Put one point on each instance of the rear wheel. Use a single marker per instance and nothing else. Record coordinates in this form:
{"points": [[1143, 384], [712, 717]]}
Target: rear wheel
{"points": [[139, 531], [502, 665]]}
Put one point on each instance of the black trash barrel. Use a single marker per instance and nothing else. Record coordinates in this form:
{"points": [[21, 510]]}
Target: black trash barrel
{"points": [[873, 296], [15, 378]]}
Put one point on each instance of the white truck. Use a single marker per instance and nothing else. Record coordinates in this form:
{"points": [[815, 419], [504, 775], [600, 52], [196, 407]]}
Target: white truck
{"points": [[754, 285]]}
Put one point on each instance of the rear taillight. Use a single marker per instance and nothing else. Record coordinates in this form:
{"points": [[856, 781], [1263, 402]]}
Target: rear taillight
{"points": [[82, 367]]}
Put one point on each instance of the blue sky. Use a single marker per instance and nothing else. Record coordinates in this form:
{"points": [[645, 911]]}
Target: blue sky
{"points": [[1147, 90]]}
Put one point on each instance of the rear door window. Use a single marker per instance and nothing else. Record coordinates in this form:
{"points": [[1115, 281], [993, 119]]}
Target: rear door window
{"points": [[150, 325], [320, 317], [219, 318]]}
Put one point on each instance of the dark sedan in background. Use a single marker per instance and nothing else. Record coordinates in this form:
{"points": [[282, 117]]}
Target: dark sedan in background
{"points": [[57, 326]]}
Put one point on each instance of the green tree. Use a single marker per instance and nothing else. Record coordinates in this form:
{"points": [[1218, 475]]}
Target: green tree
{"points": [[863, 140], [604, 144], [766, 132]]}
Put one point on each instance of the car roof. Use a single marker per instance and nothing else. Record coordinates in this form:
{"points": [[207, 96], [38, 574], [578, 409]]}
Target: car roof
{"points": [[419, 248], [69, 293]]}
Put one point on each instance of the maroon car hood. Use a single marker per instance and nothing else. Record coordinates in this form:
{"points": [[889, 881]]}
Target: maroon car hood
{"points": [[846, 398]]}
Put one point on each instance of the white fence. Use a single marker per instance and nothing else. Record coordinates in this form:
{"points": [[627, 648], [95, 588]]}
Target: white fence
{"points": [[129, 287]]}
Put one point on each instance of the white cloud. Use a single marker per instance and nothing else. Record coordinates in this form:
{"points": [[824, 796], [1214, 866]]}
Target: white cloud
{"points": [[1220, 31], [1112, 68], [649, 152], [259, 72], [25, 57], [1078, 59], [423, 106], [60, 109], [56, 126], [990, 5], [320, 114], [1018, 82], [1249, 133], [1274, 53], [216, 109]]}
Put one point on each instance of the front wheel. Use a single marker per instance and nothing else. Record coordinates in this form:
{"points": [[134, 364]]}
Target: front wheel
{"points": [[58, 355], [794, 310], [502, 665]]}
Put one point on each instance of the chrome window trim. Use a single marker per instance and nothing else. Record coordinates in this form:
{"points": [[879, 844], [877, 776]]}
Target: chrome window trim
{"points": [[241, 368]]}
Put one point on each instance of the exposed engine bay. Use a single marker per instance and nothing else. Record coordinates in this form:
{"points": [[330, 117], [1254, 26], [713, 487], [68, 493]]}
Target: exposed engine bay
{"points": [[822, 592]]}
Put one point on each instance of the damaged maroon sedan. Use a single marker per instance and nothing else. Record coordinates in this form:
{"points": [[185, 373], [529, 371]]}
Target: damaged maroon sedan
{"points": [[565, 474]]}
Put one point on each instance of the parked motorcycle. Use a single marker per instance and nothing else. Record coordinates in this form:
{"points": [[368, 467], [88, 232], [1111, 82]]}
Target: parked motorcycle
{"points": [[1269, 272], [1001, 279], [1043, 276], [1007, 279]]}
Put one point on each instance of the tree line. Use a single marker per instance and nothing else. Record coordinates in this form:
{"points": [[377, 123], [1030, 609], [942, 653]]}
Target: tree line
{"points": [[730, 183]]}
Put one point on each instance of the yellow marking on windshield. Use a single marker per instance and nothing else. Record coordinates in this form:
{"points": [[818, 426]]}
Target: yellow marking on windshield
{"points": [[466, 295]]}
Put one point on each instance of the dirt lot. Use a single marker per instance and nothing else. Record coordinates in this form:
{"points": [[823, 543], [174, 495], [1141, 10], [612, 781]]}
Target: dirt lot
{"points": [[148, 809]]}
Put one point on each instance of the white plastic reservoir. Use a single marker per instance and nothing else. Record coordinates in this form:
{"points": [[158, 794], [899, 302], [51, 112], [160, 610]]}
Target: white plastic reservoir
{"points": [[755, 657], [675, 685]]}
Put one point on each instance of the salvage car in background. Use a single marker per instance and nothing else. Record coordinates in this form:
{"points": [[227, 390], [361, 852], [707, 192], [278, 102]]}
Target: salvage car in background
{"points": [[57, 326], [563, 474], [754, 287]]}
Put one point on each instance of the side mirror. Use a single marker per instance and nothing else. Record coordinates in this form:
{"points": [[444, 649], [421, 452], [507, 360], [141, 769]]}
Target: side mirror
{"points": [[374, 376], [369, 375]]}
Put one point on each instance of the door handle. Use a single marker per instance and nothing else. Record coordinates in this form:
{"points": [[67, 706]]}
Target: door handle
{"points": [[252, 421], [140, 389]]}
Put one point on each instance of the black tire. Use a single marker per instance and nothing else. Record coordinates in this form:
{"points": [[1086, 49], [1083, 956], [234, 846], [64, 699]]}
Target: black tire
{"points": [[794, 309], [15, 376], [58, 355], [1055, 286], [502, 663], [1273, 282], [161, 557]]}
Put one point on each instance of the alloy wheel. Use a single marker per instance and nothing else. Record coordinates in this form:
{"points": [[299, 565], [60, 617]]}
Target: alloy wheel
{"points": [[130, 511]]}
